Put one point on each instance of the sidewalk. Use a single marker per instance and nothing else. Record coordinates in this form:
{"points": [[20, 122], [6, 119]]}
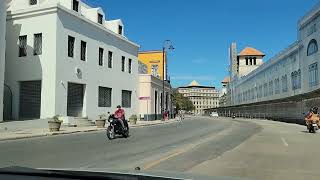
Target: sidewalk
{"points": [[39, 128]]}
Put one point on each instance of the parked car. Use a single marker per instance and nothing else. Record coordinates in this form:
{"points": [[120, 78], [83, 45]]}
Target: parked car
{"points": [[214, 114]]}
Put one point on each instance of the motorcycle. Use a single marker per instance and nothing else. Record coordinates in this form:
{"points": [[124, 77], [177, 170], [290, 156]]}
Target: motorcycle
{"points": [[115, 127], [312, 127]]}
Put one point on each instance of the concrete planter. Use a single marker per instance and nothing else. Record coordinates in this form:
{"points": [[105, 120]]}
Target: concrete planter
{"points": [[54, 125], [100, 123]]}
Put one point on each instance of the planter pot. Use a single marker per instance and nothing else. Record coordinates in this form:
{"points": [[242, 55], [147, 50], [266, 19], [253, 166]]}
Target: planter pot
{"points": [[133, 121], [100, 123], [54, 126]]}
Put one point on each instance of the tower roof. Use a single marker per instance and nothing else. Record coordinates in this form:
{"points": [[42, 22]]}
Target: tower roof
{"points": [[194, 83], [226, 80], [249, 51]]}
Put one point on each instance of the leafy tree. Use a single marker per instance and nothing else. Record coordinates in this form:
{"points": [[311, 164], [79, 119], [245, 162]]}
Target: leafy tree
{"points": [[182, 102]]}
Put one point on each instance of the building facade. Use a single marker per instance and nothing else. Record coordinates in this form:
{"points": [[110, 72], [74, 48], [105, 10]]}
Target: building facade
{"points": [[150, 97], [202, 97], [292, 72], [3, 15], [64, 58], [154, 62]]}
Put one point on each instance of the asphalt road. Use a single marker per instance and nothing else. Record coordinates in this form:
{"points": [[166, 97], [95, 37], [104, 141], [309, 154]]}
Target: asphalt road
{"points": [[175, 147]]}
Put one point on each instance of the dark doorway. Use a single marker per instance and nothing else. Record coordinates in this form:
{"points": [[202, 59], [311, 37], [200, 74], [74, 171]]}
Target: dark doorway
{"points": [[30, 99], [75, 99]]}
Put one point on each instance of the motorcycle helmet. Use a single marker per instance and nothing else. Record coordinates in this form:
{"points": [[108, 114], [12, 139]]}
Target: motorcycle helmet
{"points": [[118, 106], [314, 110]]}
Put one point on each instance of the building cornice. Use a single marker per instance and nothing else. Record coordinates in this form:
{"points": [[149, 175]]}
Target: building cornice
{"points": [[53, 8]]}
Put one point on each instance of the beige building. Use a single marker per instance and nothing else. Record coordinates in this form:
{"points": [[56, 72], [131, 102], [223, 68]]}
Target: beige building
{"points": [[150, 97], [203, 97]]}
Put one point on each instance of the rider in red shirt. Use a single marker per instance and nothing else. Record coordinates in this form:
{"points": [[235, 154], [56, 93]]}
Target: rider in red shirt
{"points": [[120, 115]]}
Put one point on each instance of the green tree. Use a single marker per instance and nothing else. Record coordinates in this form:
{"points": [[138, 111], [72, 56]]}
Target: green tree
{"points": [[182, 102]]}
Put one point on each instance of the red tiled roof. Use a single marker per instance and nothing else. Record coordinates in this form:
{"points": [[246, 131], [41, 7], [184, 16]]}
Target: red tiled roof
{"points": [[249, 51]]}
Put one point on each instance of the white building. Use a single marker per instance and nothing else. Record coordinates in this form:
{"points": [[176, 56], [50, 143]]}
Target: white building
{"points": [[150, 97], [202, 97], [64, 58], [294, 71]]}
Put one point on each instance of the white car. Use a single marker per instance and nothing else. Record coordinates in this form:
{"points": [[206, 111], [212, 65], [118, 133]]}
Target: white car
{"points": [[214, 114]]}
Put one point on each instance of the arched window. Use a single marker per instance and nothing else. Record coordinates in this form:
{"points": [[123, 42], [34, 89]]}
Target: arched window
{"points": [[312, 47]]}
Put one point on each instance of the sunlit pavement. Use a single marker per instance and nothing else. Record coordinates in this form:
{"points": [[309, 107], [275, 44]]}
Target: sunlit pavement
{"points": [[279, 151], [217, 147]]}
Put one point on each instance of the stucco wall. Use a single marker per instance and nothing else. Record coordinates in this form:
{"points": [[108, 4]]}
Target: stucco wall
{"points": [[3, 15], [94, 75], [31, 67]]}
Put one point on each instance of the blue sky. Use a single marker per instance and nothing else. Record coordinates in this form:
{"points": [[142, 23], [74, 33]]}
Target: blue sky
{"points": [[202, 30]]}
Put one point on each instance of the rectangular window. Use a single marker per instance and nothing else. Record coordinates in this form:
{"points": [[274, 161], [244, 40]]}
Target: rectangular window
{"points": [[296, 79], [75, 5], [105, 95], [277, 86], [271, 88], [123, 59], [120, 29], [265, 89], [313, 74], [22, 46], [284, 83], [37, 44], [110, 59], [130, 66], [83, 50], [100, 56], [154, 70], [126, 99], [100, 18], [33, 2], [71, 46]]}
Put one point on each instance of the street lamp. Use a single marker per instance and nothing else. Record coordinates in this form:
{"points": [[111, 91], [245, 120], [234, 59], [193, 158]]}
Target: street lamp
{"points": [[167, 45]]}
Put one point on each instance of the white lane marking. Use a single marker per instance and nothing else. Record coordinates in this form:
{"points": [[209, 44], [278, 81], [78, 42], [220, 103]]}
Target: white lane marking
{"points": [[284, 141]]}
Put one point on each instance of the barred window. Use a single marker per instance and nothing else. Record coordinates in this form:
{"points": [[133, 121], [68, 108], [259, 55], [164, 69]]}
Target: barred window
{"points": [[33, 2], [110, 54], [271, 88], [75, 6], [83, 50], [265, 89], [71, 46], [284, 83], [22, 46], [277, 86], [100, 56], [100, 18], [37, 47], [126, 99], [312, 47], [130, 66], [296, 79], [105, 95], [313, 74], [123, 59]]}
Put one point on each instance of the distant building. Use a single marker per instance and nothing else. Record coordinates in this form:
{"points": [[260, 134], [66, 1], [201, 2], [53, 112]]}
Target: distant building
{"points": [[224, 92], [203, 97], [154, 62]]}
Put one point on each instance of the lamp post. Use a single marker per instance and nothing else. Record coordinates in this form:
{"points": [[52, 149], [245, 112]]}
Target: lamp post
{"points": [[167, 45]]}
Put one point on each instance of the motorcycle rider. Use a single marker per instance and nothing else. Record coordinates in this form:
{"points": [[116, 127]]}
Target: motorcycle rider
{"points": [[120, 115], [312, 116]]}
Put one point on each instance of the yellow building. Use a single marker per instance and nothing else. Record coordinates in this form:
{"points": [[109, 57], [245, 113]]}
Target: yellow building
{"points": [[153, 60]]}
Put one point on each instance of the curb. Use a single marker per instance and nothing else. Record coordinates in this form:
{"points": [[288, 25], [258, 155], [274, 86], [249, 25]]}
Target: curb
{"points": [[74, 132]]}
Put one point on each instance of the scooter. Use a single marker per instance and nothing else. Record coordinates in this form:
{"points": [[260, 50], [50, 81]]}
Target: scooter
{"points": [[115, 127]]}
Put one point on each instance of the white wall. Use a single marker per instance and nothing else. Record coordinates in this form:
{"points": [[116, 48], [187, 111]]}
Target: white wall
{"points": [[3, 15], [41, 67], [94, 75]]}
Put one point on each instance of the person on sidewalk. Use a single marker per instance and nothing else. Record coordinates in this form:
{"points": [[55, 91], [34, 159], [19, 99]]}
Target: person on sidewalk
{"points": [[120, 115]]}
